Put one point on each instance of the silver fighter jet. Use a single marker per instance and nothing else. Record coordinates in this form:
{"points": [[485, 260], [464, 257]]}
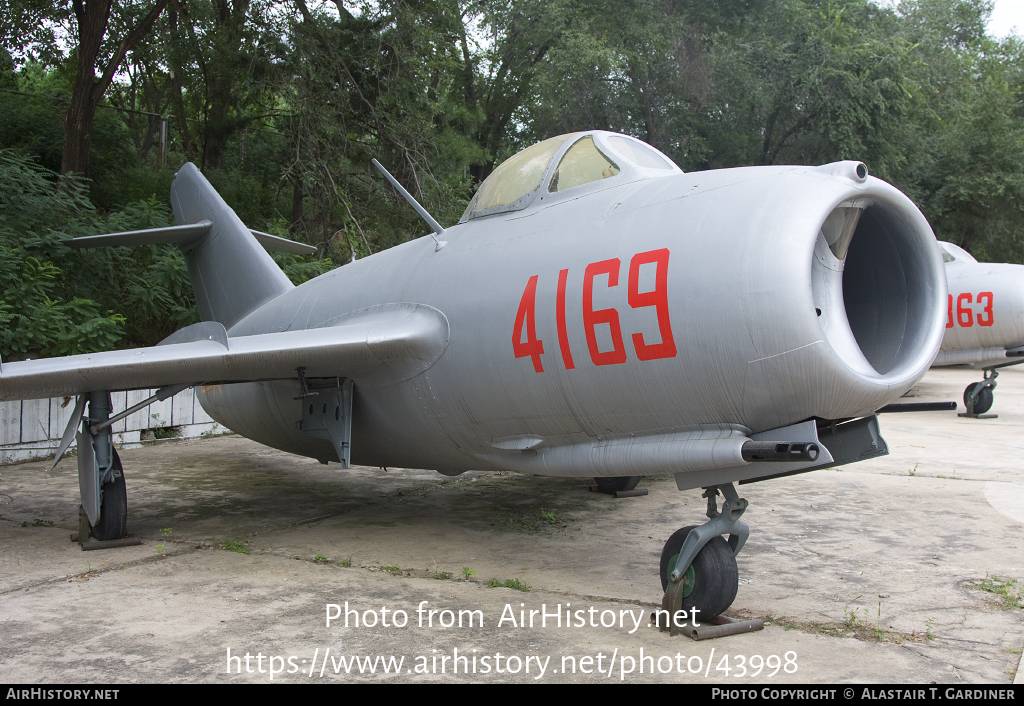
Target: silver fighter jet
{"points": [[984, 322], [596, 312]]}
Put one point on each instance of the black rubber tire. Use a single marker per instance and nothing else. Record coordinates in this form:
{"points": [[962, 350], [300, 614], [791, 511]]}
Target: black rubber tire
{"points": [[983, 403], [716, 576], [113, 522], [611, 484]]}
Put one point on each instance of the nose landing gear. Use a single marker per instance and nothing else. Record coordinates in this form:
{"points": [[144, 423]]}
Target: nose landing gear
{"points": [[698, 566], [978, 396]]}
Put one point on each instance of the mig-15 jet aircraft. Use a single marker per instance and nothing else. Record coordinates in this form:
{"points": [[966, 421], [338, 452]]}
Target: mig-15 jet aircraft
{"points": [[596, 312], [984, 321]]}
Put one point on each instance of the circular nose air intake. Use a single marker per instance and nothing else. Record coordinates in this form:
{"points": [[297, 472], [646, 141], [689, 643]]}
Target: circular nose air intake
{"points": [[874, 279]]}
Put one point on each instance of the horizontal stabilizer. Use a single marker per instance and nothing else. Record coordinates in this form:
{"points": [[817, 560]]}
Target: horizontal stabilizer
{"points": [[276, 244], [383, 344], [184, 234], [149, 236]]}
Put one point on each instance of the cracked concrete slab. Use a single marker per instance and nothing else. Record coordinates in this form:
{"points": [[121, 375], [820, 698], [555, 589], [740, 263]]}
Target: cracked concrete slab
{"points": [[872, 573]]}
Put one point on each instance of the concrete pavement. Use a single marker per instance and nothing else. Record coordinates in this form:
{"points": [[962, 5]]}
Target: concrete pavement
{"points": [[906, 568]]}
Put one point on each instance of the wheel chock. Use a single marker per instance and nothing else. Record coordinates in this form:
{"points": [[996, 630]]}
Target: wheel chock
{"points": [[89, 543], [718, 626], [636, 493]]}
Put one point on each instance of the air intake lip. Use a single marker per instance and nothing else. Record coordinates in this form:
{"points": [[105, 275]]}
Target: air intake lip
{"points": [[874, 278]]}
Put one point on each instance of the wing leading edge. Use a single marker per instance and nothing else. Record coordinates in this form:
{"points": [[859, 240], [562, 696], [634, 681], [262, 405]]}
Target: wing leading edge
{"points": [[380, 345]]}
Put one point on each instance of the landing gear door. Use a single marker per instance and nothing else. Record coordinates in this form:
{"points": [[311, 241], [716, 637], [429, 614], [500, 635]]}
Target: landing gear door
{"points": [[88, 478], [327, 414]]}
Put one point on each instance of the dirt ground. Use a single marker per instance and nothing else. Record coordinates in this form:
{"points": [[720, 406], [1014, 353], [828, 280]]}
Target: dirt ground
{"points": [[907, 568]]}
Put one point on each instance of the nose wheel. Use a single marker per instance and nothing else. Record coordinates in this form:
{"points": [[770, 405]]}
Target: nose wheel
{"points": [[698, 565], [978, 396], [712, 579]]}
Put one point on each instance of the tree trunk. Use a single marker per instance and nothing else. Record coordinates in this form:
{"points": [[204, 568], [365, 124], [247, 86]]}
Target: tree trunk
{"points": [[92, 17], [221, 80], [297, 197], [78, 133], [218, 125]]}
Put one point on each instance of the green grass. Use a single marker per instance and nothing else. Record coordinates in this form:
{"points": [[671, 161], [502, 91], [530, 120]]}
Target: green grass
{"points": [[1009, 590], [533, 521], [233, 546], [321, 559], [509, 583], [521, 523], [852, 619]]}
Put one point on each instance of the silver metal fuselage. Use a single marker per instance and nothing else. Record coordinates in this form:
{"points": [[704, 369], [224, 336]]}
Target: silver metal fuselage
{"points": [[751, 351], [984, 313]]}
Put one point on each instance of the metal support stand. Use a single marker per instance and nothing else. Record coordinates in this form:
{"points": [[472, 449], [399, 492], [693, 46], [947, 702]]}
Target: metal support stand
{"points": [[989, 382]]}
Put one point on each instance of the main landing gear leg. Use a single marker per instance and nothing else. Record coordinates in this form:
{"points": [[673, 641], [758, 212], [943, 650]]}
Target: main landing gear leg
{"points": [[698, 566], [978, 396], [104, 512]]}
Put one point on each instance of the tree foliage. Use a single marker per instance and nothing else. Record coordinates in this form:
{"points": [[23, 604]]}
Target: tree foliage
{"points": [[283, 103]]}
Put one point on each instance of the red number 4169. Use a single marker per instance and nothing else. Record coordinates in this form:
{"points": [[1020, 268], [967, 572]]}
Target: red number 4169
{"points": [[532, 347]]}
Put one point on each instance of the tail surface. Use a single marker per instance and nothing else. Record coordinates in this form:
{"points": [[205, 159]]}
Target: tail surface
{"points": [[232, 275]]}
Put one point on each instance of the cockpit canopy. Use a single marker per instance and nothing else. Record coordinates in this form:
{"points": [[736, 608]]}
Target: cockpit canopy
{"points": [[578, 162]]}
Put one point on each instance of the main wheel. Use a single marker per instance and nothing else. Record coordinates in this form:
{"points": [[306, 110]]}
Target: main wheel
{"points": [[983, 402], [113, 522], [610, 485], [712, 579]]}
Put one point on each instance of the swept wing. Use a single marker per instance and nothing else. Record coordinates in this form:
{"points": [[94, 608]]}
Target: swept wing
{"points": [[386, 343]]}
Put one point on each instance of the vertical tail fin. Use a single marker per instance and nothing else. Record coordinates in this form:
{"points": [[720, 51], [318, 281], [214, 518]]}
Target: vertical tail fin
{"points": [[231, 273]]}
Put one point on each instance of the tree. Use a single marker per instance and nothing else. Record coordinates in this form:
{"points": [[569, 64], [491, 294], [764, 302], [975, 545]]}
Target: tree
{"points": [[221, 54], [495, 82], [92, 18], [813, 82], [635, 67], [102, 33], [967, 169]]}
